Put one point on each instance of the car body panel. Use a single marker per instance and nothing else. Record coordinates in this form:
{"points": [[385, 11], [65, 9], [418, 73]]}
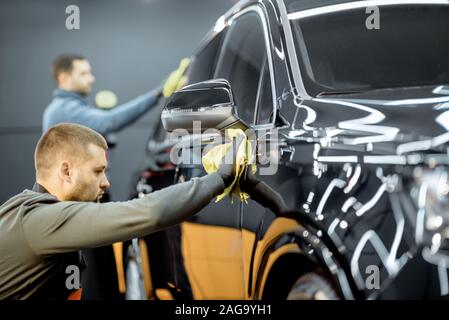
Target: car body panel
{"points": [[346, 162]]}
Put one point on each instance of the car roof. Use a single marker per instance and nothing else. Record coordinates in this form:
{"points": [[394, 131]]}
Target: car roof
{"points": [[298, 5]]}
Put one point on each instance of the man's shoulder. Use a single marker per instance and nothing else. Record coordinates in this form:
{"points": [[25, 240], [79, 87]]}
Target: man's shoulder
{"points": [[62, 110], [32, 197], [62, 107], [67, 101], [27, 198]]}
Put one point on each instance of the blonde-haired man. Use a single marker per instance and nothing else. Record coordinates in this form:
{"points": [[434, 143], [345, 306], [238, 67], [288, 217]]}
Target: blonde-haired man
{"points": [[42, 230]]}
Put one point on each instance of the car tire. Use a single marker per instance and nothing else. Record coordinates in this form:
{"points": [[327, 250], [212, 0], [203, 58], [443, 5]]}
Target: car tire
{"points": [[312, 286]]}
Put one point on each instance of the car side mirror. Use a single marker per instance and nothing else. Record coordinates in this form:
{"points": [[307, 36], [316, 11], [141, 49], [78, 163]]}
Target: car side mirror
{"points": [[210, 102]]}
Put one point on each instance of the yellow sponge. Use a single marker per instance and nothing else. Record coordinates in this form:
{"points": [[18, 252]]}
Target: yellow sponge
{"points": [[176, 80], [244, 157]]}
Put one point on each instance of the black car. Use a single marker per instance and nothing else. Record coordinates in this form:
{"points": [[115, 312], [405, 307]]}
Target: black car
{"points": [[359, 117]]}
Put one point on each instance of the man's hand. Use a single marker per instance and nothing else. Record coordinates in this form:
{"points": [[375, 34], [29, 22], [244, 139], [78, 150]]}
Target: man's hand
{"points": [[176, 80], [248, 180], [227, 168]]}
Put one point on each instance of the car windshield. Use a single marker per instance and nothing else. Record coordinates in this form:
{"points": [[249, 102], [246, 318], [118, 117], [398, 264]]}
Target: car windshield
{"points": [[345, 48]]}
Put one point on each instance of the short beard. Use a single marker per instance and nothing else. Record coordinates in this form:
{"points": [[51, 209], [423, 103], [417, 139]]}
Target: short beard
{"points": [[83, 94], [78, 195]]}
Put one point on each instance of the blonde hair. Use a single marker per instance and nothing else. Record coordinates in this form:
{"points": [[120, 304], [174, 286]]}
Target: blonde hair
{"points": [[64, 140]]}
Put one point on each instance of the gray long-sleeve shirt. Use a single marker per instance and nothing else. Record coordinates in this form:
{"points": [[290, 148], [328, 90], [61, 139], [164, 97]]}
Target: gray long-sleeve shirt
{"points": [[68, 106], [39, 235]]}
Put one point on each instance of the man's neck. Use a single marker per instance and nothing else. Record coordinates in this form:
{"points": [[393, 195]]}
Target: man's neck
{"points": [[65, 87], [39, 188], [81, 94], [44, 187]]}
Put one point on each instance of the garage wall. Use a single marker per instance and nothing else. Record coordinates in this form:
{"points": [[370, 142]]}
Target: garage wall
{"points": [[131, 44]]}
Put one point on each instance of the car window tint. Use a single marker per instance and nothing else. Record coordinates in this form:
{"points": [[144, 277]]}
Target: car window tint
{"points": [[241, 60], [204, 60]]}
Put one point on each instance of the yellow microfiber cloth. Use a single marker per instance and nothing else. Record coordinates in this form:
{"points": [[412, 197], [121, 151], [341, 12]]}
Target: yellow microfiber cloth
{"points": [[245, 156], [176, 80]]}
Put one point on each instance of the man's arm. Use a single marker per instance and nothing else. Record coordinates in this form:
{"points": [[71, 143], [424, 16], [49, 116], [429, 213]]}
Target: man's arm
{"points": [[269, 198], [262, 193], [107, 121], [69, 226]]}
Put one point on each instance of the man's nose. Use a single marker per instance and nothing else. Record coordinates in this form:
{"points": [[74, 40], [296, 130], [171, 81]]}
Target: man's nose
{"points": [[105, 183]]}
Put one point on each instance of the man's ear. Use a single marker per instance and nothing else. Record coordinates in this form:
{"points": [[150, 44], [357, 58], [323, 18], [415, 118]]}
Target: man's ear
{"points": [[64, 171], [63, 78]]}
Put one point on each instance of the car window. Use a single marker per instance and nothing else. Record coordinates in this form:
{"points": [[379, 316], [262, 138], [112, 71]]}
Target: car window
{"points": [[264, 107], [339, 53], [241, 61], [204, 60]]}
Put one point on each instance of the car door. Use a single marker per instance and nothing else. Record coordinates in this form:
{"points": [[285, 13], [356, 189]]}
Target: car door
{"points": [[213, 247], [244, 62], [211, 242]]}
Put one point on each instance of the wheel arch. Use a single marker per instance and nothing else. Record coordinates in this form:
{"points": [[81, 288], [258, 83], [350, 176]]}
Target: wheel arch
{"points": [[283, 274], [291, 256]]}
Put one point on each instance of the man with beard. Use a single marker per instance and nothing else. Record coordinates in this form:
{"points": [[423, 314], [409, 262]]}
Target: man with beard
{"points": [[74, 79], [42, 230]]}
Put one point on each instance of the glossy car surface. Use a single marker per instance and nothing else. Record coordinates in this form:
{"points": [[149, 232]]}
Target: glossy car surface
{"points": [[361, 121]]}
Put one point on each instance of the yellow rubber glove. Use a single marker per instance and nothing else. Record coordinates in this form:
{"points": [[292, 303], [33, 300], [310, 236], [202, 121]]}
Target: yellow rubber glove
{"points": [[176, 80], [245, 155]]}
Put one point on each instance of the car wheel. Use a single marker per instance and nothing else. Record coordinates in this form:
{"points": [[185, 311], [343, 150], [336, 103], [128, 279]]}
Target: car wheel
{"points": [[312, 286]]}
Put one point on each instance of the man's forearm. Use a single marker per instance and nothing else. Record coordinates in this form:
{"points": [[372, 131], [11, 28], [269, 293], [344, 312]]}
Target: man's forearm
{"points": [[70, 226], [178, 202], [269, 198], [125, 114]]}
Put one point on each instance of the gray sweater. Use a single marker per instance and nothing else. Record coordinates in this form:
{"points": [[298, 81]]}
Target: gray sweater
{"points": [[40, 236]]}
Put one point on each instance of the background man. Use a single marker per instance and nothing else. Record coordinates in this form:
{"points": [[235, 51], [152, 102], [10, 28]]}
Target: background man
{"points": [[74, 79]]}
